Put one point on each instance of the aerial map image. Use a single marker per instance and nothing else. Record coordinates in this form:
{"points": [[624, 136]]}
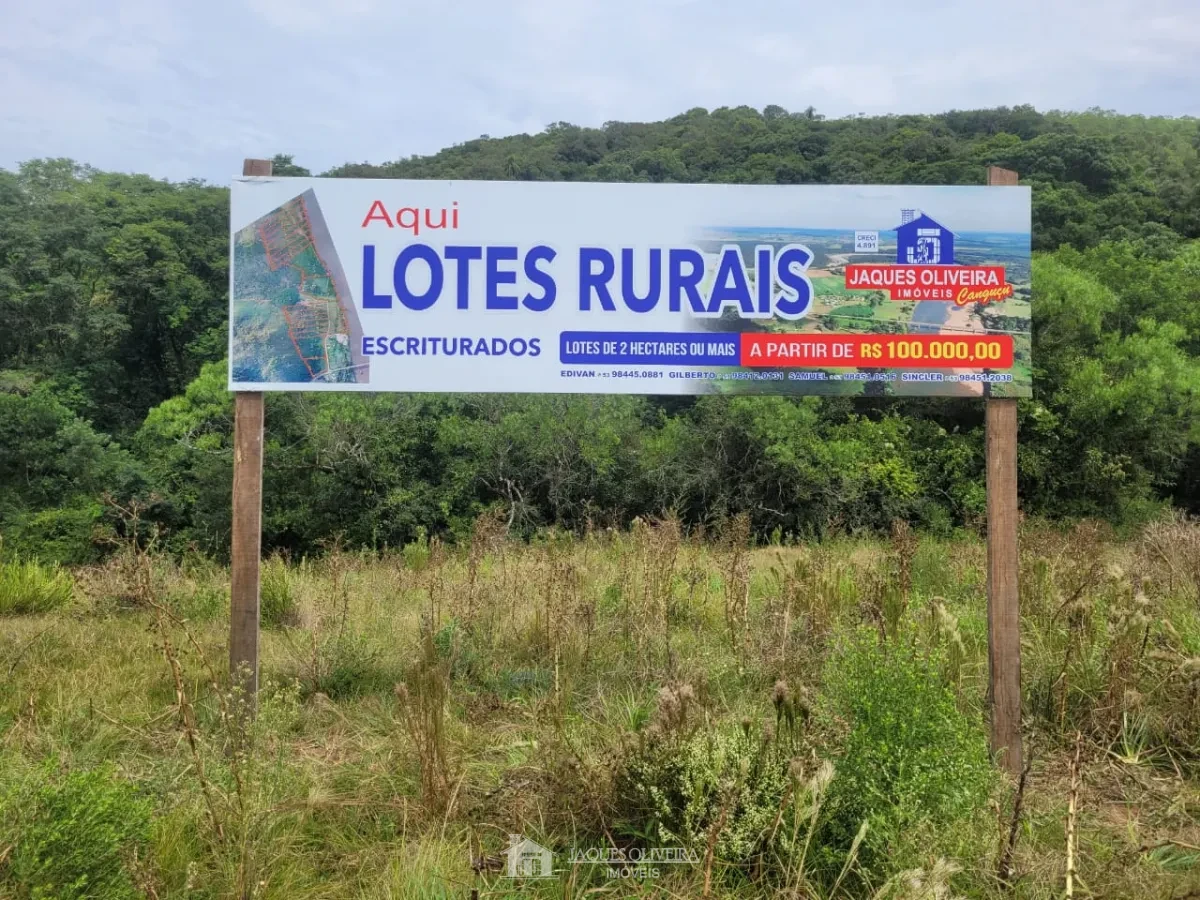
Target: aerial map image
{"points": [[293, 318], [839, 309]]}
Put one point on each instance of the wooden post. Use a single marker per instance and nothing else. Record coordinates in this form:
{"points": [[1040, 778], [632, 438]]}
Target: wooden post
{"points": [[247, 524], [1004, 617]]}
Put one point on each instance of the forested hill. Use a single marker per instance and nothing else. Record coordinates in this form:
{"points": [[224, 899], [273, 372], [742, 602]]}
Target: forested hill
{"points": [[112, 338], [1096, 176]]}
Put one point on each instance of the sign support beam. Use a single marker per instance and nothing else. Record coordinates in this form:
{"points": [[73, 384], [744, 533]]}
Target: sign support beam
{"points": [[1003, 609], [246, 549]]}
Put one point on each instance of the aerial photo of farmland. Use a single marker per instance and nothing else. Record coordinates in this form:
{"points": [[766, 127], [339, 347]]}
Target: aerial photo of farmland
{"points": [[293, 318], [837, 309]]}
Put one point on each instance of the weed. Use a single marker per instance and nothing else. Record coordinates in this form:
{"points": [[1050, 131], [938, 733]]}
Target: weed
{"points": [[341, 664], [487, 538], [277, 600], [198, 602], [792, 710], [736, 571], [1174, 546], [717, 790], [422, 706], [81, 836], [416, 553], [910, 761], [647, 588], [335, 656], [29, 588], [944, 632]]}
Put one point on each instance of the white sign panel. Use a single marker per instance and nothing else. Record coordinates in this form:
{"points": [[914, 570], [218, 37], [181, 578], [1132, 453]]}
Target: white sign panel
{"points": [[390, 285]]}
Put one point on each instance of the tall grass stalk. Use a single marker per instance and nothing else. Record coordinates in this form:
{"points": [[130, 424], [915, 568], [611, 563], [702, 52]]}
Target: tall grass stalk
{"points": [[29, 588]]}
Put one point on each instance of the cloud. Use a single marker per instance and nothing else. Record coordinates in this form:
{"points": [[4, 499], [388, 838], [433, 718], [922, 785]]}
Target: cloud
{"points": [[183, 88], [313, 16]]}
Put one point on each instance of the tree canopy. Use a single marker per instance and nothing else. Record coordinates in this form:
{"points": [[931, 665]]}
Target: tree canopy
{"points": [[113, 298]]}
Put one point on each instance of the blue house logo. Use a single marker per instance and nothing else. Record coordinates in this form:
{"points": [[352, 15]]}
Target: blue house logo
{"points": [[922, 241]]}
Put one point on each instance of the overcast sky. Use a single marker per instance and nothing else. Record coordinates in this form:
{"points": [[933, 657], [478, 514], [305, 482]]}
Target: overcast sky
{"points": [[187, 88]]}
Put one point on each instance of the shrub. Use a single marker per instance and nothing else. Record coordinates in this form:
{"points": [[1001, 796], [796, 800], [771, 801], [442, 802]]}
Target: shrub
{"points": [[28, 587], [341, 664], [80, 837], [456, 646], [417, 553], [71, 534], [199, 603], [911, 764], [677, 790], [277, 601]]}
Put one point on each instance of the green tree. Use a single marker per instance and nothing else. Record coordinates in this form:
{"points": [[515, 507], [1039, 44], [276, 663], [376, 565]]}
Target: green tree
{"points": [[113, 297]]}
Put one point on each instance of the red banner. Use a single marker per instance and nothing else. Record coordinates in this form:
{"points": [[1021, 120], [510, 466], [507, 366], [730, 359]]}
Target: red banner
{"points": [[877, 351], [961, 284]]}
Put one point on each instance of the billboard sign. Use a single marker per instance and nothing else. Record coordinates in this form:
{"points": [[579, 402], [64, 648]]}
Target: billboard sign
{"points": [[550, 287]]}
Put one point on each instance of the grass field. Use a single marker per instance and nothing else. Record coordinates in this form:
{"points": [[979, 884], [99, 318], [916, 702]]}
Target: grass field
{"points": [[753, 707], [850, 315], [834, 286]]}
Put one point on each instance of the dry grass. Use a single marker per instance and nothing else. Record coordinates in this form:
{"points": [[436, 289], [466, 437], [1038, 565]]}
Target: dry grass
{"points": [[420, 707]]}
